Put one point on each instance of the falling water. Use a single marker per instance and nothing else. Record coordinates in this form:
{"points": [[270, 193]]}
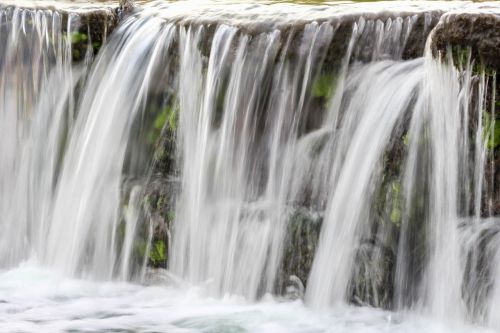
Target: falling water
{"points": [[36, 70], [75, 175], [331, 160], [237, 168]]}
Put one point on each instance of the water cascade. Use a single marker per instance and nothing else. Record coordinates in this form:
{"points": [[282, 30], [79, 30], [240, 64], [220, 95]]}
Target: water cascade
{"points": [[36, 70], [321, 155]]}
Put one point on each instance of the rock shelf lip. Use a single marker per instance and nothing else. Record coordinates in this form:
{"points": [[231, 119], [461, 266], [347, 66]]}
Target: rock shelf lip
{"points": [[269, 13], [281, 13], [477, 31], [241, 11], [69, 6], [255, 16]]}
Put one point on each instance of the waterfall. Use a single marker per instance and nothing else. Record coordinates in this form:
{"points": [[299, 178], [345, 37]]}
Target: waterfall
{"points": [[90, 178], [334, 157], [372, 113], [64, 162], [36, 71], [238, 155]]}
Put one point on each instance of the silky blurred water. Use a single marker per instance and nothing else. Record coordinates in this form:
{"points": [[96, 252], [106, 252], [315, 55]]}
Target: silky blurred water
{"points": [[33, 299], [246, 157]]}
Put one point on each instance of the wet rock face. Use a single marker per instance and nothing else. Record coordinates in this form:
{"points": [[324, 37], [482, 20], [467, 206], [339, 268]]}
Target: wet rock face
{"points": [[375, 258], [93, 28], [491, 122], [479, 32], [423, 25], [127, 4], [125, 8], [87, 29], [301, 241], [159, 207]]}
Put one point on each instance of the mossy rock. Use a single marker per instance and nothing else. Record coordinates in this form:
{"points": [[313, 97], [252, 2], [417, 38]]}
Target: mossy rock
{"points": [[91, 31], [478, 32], [301, 240]]}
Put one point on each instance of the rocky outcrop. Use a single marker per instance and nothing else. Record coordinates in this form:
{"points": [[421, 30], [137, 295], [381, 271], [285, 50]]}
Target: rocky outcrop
{"points": [[478, 32], [91, 30], [86, 25]]}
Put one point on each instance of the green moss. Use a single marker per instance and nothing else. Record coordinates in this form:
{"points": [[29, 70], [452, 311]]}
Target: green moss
{"points": [[479, 69], [76, 54], [491, 131], [395, 214], [170, 215], [159, 154], [167, 116], [406, 139], [323, 85], [161, 118], [157, 253], [96, 46], [77, 37]]}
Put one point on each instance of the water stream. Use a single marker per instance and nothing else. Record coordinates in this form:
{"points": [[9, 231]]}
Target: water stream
{"points": [[326, 175]]}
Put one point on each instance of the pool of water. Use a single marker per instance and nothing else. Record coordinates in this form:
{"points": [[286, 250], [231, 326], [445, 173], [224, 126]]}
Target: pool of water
{"points": [[38, 300]]}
